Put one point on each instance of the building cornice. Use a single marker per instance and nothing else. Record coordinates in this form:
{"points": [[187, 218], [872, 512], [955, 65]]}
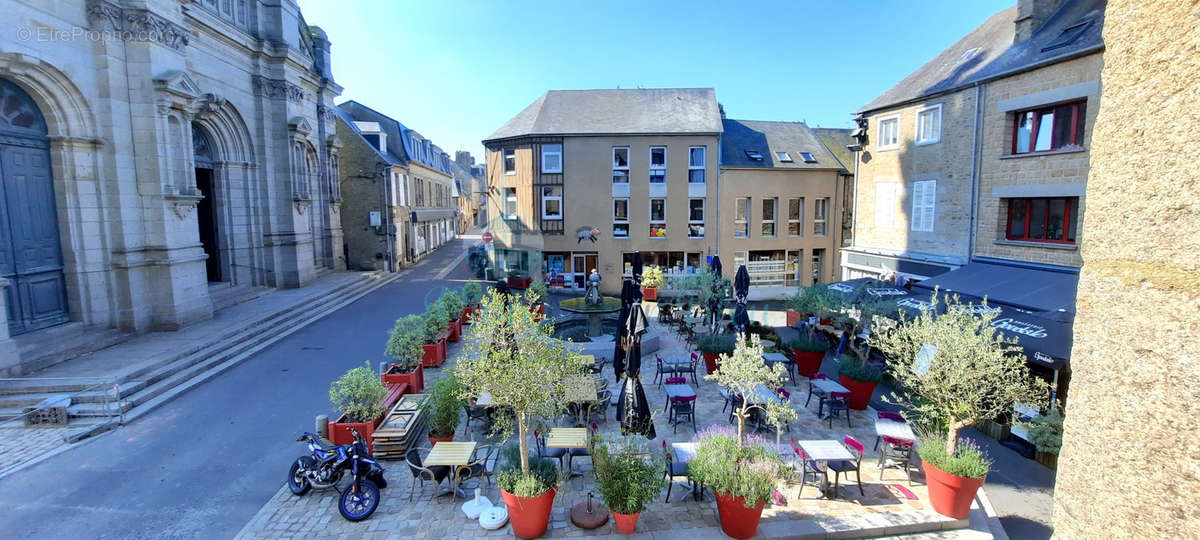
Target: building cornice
{"points": [[135, 24]]}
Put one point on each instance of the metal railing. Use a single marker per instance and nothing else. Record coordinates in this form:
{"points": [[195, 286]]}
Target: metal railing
{"points": [[109, 388]]}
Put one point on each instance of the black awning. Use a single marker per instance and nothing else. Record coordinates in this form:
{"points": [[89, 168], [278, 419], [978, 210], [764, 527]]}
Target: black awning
{"points": [[1049, 292], [1046, 342]]}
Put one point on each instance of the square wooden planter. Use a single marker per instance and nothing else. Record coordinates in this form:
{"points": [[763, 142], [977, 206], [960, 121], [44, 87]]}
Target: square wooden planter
{"points": [[519, 282], [454, 330], [435, 353], [1049, 459], [340, 431], [414, 379]]}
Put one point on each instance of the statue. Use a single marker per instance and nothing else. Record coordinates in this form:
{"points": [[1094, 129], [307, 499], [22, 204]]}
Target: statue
{"points": [[592, 295]]}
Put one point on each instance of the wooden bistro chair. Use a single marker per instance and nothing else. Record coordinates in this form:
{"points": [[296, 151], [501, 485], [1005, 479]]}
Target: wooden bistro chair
{"points": [[478, 467]]}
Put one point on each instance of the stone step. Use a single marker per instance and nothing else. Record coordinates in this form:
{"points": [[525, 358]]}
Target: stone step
{"points": [[51, 346], [89, 395]]}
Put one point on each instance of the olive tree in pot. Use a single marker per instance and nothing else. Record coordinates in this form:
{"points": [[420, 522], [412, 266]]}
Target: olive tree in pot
{"points": [[452, 308], [359, 395], [628, 477], [404, 347], [516, 360], [712, 347], [652, 280], [534, 296], [811, 301], [443, 408], [957, 370], [471, 292]]}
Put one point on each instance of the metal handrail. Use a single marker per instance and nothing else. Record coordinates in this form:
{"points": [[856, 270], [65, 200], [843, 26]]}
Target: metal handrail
{"points": [[110, 388]]}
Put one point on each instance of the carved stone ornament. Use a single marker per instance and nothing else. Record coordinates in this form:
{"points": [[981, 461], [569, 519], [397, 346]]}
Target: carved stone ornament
{"points": [[134, 24], [277, 89], [183, 205]]}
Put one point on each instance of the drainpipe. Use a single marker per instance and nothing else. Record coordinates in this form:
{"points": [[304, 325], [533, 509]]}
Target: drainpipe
{"points": [[975, 151], [385, 170]]}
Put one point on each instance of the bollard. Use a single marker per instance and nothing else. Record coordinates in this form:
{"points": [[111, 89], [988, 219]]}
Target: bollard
{"points": [[322, 426]]}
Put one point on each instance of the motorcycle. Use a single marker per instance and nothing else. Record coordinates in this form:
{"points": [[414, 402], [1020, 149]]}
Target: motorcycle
{"points": [[325, 466]]}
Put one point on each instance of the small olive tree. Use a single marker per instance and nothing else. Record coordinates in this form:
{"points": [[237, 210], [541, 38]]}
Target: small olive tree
{"points": [[741, 373], [958, 368], [516, 360]]}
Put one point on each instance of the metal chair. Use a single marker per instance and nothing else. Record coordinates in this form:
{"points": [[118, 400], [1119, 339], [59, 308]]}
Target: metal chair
{"points": [[420, 473], [814, 391], [897, 453], [837, 405], [477, 468], [674, 470], [552, 453], [692, 367], [475, 412], [807, 468], [888, 415], [683, 407], [600, 406], [845, 466], [665, 368]]}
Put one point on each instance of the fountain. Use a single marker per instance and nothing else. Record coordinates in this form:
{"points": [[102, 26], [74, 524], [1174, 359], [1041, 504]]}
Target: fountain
{"points": [[594, 311]]}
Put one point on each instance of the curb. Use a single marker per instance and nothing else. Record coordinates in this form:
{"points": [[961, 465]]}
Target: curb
{"points": [[993, 520]]}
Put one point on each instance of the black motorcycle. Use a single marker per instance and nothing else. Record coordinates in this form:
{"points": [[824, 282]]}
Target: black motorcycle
{"points": [[326, 464]]}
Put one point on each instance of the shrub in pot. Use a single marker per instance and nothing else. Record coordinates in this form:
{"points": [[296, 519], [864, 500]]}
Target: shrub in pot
{"points": [[628, 477], [808, 354], [652, 279], [533, 297], [359, 395], [741, 473], [434, 336], [957, 370], [404, 346], [861, 378], [1045, 432], [472, 292], [811, 301], [452, 307], [442, 408], [712, 347]]}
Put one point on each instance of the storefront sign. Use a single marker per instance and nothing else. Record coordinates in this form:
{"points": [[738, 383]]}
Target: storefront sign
{"points": [[1017, 327], [1043, 358], [913, 303], [840, 287], [886, 291]]}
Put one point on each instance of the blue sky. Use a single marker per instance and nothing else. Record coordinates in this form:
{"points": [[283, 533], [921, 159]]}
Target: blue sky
{"points": [[456, 71]]}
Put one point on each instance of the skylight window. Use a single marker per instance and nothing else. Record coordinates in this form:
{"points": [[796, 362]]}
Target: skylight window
{"points": [[1068, 35], [784, 157], [807, 157], [754, 155], [969, 54]]}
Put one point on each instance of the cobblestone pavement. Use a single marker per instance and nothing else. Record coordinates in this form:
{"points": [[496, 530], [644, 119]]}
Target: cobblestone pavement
{"points": [[881, 509], [19, 444]]}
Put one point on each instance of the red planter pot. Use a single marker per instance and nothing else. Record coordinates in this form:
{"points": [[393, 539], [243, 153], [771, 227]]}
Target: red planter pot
{"points": [[434, 440], [650, 294], [736, 520], [339, 431], [454, 330], [435, 353], [519, 283], [950, 495], [415, 379], [793, 317], [529, 516], [465, 318], [625, 523], [860, 392], [808, 363], [711, 361]]}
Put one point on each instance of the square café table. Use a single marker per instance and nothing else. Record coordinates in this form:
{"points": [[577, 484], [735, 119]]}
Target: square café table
{"points": [[684, 452], [567, 438], [779, 358], [824, 451], [451, 454], [885, 427], [677, 391]]}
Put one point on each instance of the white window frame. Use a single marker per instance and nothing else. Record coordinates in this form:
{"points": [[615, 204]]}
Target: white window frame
{"points": [[920, 137], [924, 205], [505, 153], [549, 150], [741, 224], [702, 167], [653, 167], [885, 207], [799, 217], [774, 221], [821, 216], [516, 203], [703, 216], [617, 221], [881, 144], [558, 198], [652, 221], [624, 168], [784, 157]]}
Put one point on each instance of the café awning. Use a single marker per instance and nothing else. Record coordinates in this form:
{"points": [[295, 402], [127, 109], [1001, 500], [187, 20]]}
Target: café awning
{"points": [[1050, 293]]}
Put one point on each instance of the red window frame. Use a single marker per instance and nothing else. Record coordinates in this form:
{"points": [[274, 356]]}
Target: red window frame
{"points": [[1070, 207], [1077, 108]]}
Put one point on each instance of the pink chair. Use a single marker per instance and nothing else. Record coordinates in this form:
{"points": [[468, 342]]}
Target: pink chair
{"points": [[838, 404], [889, 415], [675, 380], [808, 468], [845, 466], [683, 406]]}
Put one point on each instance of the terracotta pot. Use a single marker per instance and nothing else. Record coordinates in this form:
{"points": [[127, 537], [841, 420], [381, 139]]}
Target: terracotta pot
{"points": [[793, 317], [650, 293], [808, 363], [711, 361], [415, 379], [339, 431], [860, 392], [519, 283], [950, 495], [434, 440], [625, 523], [529, 516], [736, 520]]}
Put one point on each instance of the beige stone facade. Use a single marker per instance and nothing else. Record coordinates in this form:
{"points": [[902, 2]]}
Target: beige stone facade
{"points": [[1137, 336]]}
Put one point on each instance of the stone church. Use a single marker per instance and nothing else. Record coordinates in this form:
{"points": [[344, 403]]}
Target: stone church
{"points": [[152, 151]]}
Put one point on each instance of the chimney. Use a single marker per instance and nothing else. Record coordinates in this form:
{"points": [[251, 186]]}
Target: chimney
{"points": [[1031, 14], [721, 109], [464, 158]]}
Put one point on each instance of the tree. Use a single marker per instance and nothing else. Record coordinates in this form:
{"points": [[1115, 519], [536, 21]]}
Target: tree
{"points": [[404, 342], [517, 361], [958, 368], [742, 373], [708, 287]]}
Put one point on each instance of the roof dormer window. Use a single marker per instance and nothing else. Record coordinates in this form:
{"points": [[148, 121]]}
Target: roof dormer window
{"points": [[754, 155]]}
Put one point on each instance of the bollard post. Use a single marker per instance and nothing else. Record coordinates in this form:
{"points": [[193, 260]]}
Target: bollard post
{"points": [[322, 426]]}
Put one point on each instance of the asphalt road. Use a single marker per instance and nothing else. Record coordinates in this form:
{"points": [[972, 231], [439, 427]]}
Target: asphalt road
{"points": [[202, 465]]}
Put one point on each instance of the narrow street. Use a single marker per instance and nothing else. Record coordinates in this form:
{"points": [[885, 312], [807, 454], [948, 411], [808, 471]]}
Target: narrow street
{"points": [[202, 465]]}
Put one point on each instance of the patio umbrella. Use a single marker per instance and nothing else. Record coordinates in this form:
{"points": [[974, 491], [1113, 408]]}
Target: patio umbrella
{"points": [[619, 342], [637, 276], [715, 265], [632, 408], [741, 290]]}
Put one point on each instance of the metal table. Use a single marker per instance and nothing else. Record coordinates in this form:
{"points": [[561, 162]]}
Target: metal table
{"points": [[885, 427], [824, 451], [567, 438], [788, 363], [684, 452], [829, 387], [451, 454]]}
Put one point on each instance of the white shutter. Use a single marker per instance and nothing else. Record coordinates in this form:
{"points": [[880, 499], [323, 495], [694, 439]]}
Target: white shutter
{"points": [[885, 202], [924, 199]]}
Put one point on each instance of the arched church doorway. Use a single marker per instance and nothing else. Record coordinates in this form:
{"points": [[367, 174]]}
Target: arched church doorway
{"points": [[206, 209]]}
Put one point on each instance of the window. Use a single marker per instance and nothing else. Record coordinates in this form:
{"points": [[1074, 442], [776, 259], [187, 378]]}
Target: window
{"points": [[796, 217], [620, 218], [658, 164], [510, 161], [1068, 35], [696, 164], [552, 158], [754, 155], [695, 218], [807, 157], [658, 218], [924, 200], [552, 202], [818, 264], [784, 157], [929, 124], [741, 226], [620, 164], [889, 133], [768, 217], [510, 203], [821, 216], [1049, 128], [885, 204], [1054, 220]]}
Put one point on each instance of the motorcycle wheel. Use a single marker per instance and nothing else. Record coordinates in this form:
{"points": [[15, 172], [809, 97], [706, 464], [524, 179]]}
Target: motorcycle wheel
{"points": [[359, 500], [296, 481]]}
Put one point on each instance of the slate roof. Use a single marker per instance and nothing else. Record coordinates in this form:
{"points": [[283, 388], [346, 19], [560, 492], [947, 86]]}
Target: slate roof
{"points": [[400, 139], [619, 111], [989, 52], [836, 140], [768, 138]]}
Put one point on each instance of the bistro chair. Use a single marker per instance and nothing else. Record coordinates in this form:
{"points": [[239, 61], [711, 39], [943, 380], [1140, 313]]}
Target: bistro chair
{"points": [[420, 473], [888, 415], [600, 406], [838, 405], [692, 367], [896, 454], [807, 468], [475, 412], [814, 391], [674, 470], [666, 368], [683, 407], [552, 453], [478, 467], [845, 466]]}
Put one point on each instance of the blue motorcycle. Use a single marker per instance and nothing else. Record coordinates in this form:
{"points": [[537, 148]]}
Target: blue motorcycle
{"points": [[325, 466]]}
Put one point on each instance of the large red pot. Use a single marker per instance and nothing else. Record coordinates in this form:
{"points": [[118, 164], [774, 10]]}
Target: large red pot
{"points": [[415, 378], [434, 440], [710, 361], [808, 363], [465, 318], [529, 516], [860, 392], [650, 294], [736, 520], [519, 283], [949, 494], [625, 523]]}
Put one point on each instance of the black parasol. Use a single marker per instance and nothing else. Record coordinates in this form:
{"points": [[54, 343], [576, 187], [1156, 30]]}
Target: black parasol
{"points": [[637, 276], [632, 408], [741, 290], [619, 342], [715, 265]]}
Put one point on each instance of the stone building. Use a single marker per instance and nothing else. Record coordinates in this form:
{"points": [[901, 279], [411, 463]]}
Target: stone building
{"points": [[155, 152], [1137, 336]]}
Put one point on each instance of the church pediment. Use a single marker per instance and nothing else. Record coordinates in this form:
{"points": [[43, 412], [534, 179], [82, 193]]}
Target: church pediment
{"points": [[300, 124], [178, 83]]}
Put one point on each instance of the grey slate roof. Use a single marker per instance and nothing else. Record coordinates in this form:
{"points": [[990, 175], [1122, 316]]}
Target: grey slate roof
{"points": [[619, 111], [400, 139], [989, 51], [836, 140], [769, 138]]}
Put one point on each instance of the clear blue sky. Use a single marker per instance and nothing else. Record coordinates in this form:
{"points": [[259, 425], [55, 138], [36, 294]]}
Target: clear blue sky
{"points": [[456, 71]]}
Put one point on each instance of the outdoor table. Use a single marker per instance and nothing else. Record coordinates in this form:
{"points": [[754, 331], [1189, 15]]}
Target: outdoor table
{"points": [[886, 427], [677, 391], [779, 358], [581, 390], [567, 438], [684, 452], [824, 451], [452, 454], [762, 395], [829, 387]]}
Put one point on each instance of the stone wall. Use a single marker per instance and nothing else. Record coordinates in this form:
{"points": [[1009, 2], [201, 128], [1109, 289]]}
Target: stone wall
{"points": [[1130, 462]]}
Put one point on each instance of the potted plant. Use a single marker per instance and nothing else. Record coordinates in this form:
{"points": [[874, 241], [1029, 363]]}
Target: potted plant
{"points": [[518, 362], [518, 279], [1045, 432], [859, 377], [810, 301], [472, 292], [452, 306], [741, 472], [434, 336], [404, 346], [712, 347], [528, 495], [443, 408], [808, 352], [628, 477], [652, 279], [957, 370], [359, 395], [534, 295]]}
